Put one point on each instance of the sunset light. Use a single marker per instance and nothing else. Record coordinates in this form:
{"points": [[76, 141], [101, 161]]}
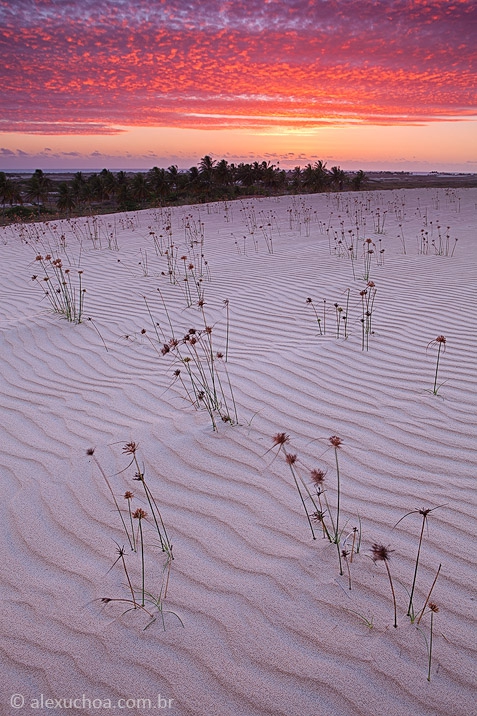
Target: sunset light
{"points": [[89, 83]]}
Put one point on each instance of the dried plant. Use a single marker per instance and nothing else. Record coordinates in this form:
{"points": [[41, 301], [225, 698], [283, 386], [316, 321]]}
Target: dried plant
{"points": [[433, 609], [90, 453], [65, 296], [368, 296], [424, 513], [140, 515], [309, 302], [141, 598], [440, 342], [200, 368], [380, 553], [166, 546], [429, 595]]}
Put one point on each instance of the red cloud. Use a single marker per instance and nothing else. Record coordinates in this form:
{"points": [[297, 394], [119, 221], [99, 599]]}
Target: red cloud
{"points": [[91, 66]]}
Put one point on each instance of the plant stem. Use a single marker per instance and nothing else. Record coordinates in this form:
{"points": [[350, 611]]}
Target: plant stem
{"points": [[302, 501], [429, 595], [129, 581], [430, 648], [142, 561], [416, 566], [392, 590], [434, 390], [338, 497]]}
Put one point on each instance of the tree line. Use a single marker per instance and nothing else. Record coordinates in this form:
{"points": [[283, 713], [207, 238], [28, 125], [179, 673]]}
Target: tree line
{"points": [[210, 180]]}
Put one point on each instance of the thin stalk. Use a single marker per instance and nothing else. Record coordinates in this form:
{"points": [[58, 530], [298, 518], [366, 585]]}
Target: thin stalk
{"points": [[434, 390], [290, 463], [165, 544], [355, 529], [346, 315], [337, 497], [128, 580], [227, 311], [344, 554], [429, 595], [392, 590], [409, 609], [142, 561], [112, 495], [430, 647]]}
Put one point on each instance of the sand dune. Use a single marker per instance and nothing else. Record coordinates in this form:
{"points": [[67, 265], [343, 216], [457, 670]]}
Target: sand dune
{"points": [[269, 625]]}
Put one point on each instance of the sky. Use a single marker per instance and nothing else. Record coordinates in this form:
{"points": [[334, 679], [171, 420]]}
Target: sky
{"points": [[132, 84]]}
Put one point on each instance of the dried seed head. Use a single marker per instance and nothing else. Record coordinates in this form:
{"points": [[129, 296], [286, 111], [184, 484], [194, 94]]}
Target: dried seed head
{"points": [[335, 441], [318, 516], [433, 607], [440, 339], [318, 477], [281, 439], [130, 448], [290, 458], [128, 495], [139, 514], [380, 553], [90, 451]]}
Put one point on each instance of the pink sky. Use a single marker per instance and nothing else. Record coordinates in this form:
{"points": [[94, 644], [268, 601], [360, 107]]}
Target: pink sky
{"points": [[121, 84]]}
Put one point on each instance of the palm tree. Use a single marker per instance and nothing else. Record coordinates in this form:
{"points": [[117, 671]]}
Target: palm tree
{"points": [[123, 189], [9, 191], [38, 188], [157, 180], [321, 175], [224, 173], [3, 183], [246, 174], [77, 187], [358, 180], [66, 199], [193, 181], [296, 179], [173, 176], [206, 174], [337, 178], [206, 165], [316, 177], [140, 188], [108, 184]]}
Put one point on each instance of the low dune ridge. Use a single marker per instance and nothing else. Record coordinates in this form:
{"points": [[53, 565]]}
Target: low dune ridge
{"points": [[256, 619]]}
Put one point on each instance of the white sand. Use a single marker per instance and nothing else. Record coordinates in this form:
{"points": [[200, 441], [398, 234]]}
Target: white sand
{"points": [[269, 625]]}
